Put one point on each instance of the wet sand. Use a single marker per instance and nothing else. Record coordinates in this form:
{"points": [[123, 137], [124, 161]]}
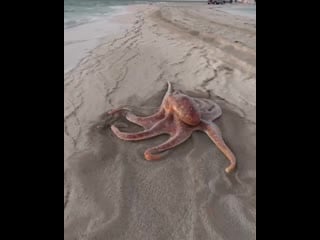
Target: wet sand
{"points": [[110, 190]]}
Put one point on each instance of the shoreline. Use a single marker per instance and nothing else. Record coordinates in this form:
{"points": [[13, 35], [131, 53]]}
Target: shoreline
{"points": [[76, 38]]}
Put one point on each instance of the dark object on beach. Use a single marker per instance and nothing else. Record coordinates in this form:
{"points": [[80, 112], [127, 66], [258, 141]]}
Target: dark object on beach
{"points": [[178, 116], [216, 2]]}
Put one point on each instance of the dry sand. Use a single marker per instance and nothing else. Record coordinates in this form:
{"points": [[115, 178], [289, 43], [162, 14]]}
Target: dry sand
{"points": [[110, 191]]}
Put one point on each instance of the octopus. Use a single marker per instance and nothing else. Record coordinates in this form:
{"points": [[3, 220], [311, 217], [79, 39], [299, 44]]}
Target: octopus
{"points": [[179, 115]]}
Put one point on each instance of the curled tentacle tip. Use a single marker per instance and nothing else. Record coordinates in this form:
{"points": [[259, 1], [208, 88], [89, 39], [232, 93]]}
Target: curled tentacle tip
{"points": [[148, 156], [230, 169]]}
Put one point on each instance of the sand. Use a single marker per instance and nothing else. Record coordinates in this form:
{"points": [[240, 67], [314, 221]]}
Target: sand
{"points": [[110, 190]]}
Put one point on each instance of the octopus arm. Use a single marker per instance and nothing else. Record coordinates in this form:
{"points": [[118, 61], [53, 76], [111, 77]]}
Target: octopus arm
{"points": [[145, 122], [158, 129], [154, 153], [214, 134]]}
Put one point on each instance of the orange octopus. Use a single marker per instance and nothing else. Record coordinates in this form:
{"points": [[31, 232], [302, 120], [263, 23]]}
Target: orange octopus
{"points": [[179, 115]]}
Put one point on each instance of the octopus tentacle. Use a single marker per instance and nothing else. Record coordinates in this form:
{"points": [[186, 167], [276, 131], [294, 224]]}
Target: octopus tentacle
{"points": [[169, 90], [168, 93], [154, 152], [158, 129], [145, 122], [148, 121], [214, 133]]}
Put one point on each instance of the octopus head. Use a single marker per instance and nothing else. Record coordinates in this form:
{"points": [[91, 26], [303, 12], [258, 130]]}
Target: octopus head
{"points": [[185, 109]]}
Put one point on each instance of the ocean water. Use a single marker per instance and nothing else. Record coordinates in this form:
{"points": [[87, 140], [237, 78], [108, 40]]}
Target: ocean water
{"points": [[78, 12], [246, 10]]}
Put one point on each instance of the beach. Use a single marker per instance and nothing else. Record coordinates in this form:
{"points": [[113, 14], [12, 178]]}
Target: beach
{"points": [[125, 59]]}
